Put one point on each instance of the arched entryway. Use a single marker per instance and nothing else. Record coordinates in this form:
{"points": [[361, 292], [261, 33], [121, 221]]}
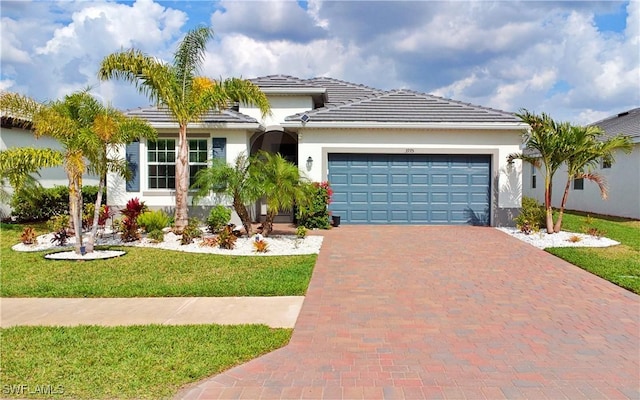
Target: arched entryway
{"points": [[274, 141]]}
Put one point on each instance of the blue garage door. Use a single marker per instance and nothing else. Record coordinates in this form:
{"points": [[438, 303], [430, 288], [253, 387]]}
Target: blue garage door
{"points": [[410, 188]]}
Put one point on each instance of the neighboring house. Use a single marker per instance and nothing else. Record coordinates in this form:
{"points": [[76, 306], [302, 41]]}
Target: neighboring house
{"points": [[622, 177], [391, 157], [13, 134]]}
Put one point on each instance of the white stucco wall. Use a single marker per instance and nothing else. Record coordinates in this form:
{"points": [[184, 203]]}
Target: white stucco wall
{"points": [[318, 143], [623, 182], [281, 107]]}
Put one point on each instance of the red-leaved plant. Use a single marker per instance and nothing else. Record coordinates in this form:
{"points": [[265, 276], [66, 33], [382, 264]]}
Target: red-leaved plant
{"points": [[129, 227]]}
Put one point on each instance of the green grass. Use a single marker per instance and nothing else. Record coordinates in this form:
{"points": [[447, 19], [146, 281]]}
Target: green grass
{"points": [[138, 362], [145, 272], [617, 264]]}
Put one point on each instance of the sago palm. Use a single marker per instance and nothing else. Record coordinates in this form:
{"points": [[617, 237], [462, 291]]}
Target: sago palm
{"points": [[587, 149], [186, 96]]}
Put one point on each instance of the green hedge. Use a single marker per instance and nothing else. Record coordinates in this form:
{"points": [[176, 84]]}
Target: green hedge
{"points": [[43, 203]]}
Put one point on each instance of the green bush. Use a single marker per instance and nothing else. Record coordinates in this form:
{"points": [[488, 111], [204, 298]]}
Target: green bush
{"points": [[219, 217], [43, 203], [190, 232], [153, 220], [156, 236], [532, 215], [316, 215], [58, 222]]}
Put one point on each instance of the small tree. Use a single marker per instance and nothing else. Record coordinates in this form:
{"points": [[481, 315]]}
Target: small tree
{"points": [[232, 180], [281, 184], [18, 163], [547, 143], [587, 151]]}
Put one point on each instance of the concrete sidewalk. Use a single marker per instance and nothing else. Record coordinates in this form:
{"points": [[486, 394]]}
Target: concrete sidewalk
{"points": [[276, 312]]}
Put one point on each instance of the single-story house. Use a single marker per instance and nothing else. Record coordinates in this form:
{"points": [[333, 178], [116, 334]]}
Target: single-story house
{"points": [[391, 157], [622, 177]]}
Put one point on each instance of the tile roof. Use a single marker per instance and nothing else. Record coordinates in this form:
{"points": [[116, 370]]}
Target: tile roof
{"points": [[406, 106], [626, 123], [339, 92], [161, 115], [280, 82]]}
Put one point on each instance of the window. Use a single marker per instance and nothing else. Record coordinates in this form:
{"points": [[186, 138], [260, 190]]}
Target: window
{"points": [[161, 157], [534, 177], [578, 184], [197, 158], [606, 163]]}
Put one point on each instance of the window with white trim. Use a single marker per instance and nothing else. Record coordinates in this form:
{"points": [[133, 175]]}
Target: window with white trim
{"points": [[578, 184], [161, 160], [197, 157], [534, 177]]}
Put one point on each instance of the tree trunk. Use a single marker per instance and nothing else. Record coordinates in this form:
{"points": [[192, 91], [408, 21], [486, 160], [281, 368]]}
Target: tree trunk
{"points": [[267, 225], [181, 216], [558, 225], [96, 216], [243, 214], [75, 201], [547, 204]]}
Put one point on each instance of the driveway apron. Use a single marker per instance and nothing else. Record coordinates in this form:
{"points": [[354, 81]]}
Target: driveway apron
{"points": [[429, 312]]}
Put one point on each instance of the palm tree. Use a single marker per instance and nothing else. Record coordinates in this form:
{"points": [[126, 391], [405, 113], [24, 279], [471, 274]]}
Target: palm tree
{"points": [[547, 142], [587, 151], [232, 180], [281, 184], [185, 95], [18, 163], [111, 129], [79, 123]]}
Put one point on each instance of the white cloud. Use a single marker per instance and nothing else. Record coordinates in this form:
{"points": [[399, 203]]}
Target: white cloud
{"points": [[544, 56]]}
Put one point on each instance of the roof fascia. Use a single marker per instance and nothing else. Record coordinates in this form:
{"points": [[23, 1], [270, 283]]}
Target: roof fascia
{"points": [[408, 125], [294, 91], [200, 125]]}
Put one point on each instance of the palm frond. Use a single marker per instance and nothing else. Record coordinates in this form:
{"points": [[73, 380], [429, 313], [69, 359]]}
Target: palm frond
{"points": [[189, 57]]}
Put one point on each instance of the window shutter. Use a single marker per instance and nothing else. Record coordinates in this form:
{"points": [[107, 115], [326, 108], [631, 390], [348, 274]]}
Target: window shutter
{"points": [[219, 146], [133, 161]]}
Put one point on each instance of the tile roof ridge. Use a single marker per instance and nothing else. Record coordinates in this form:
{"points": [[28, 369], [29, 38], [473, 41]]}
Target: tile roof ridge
{"points": [[346, 83], [452, 101], [621, 114]]}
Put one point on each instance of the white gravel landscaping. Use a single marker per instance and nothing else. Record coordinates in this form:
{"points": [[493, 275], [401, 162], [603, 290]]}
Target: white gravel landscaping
{"points": [[279, 245], [543, 240]]}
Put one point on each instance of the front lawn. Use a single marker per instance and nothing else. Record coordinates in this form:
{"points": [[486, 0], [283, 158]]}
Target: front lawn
{"points": [[617, 264], [135, 362], [145, 272]]}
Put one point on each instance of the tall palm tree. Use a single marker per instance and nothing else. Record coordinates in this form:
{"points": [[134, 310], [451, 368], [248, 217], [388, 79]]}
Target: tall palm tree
{"points": [[586, 152], [111, 129], [232, 180], [281, 184], [548, 145], [186, 95]]}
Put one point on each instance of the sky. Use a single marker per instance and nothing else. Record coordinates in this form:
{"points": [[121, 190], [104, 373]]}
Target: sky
{"points": [[578, 61]]}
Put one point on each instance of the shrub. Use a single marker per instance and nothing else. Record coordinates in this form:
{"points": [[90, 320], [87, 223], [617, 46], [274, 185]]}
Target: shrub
{"points": [[43, 203], [260, 245], [316, 214], [574, 239], [226, 238], [129, 223], [219, 217], [60, 237], [190, 232], [156, 236], [28, 235], [532, 216], [301, 232], [58, 222], [153, 220]]}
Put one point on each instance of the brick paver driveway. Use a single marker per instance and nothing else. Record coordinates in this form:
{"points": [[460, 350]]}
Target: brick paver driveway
{"points": [[446, 312]]}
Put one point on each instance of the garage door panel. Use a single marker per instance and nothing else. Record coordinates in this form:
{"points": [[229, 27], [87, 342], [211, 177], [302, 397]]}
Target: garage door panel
{"points": [[412, 188]]}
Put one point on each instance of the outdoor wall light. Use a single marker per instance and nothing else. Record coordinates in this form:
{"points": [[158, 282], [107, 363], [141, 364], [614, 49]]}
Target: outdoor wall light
{"points": [[309, 163]]}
